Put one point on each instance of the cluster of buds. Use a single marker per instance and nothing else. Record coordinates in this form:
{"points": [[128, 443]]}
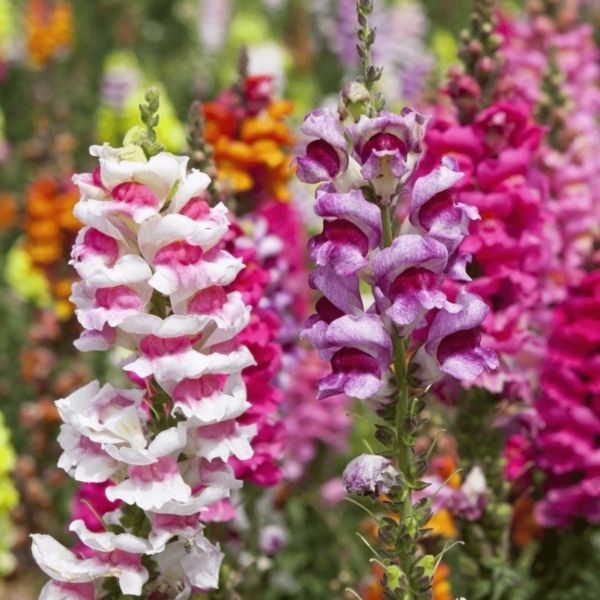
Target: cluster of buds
{"points": [[155, 280], [480, 43], [365, 162]]}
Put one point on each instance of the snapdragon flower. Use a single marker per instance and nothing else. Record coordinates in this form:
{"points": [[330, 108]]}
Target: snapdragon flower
{"points": [[417, 329], [155, 280]]}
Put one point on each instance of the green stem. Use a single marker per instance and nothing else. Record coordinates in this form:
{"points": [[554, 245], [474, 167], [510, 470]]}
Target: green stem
{"points": [[367, 60], [403, 451], [386, 224]]}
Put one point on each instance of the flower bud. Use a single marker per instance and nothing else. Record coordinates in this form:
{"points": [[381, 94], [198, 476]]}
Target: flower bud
{"points": [[422, 572], [354, 100], [135, 135], [395, 580], [371, 475], [133, 153]]}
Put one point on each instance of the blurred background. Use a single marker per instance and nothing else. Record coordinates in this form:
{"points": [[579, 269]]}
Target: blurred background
{"points": [[72, 73]]}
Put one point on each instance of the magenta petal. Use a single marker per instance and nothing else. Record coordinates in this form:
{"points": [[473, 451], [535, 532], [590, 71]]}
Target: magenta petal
{"points": [[310, 170], [355, 374], [342, 292], [408, 251], [352, 207], [327, 156], [459, 355], [364, 332]]}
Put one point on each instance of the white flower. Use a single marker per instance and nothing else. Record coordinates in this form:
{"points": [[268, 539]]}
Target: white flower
{"points": [[107, 415], [182, 566], [62, 565], [202, 399], [152, 486], [83, 459], [220, 440], [108, 541]]}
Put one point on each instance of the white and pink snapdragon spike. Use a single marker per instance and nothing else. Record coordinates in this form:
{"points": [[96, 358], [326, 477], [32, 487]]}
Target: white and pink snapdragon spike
{"points": [[154, 279]]}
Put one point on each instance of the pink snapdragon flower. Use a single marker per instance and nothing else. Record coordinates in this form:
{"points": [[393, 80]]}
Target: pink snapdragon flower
{"points": [[571, 158], [564, 445], [156, 280], [510, 243]]}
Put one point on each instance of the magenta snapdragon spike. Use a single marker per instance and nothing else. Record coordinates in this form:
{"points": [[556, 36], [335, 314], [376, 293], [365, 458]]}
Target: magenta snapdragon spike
{"points": [[513, 246], [154, 281], [260, 337], [366, 162], [535, 50], [563, 439]]}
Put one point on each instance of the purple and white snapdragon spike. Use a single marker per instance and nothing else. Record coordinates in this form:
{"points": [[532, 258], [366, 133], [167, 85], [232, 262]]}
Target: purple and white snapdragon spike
{"points": [[405, 276], [153, 281]]}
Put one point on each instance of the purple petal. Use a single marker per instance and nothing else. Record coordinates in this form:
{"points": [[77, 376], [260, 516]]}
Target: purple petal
{"points": [[457, 266], [355, 374], [342, 292], [353, 207], [364, 332], [408, 128], [472, 315], [405, 252], [342, 245]]}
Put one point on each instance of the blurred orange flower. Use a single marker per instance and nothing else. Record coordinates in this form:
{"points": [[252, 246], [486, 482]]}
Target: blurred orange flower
{"points": [[50, 224], [524, 526], [441, 585], [50, 230], [49, 29], [8, 210], [251, 142]]}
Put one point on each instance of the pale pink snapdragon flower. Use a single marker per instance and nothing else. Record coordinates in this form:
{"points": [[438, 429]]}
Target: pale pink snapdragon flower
{"points": [[154, 279]]}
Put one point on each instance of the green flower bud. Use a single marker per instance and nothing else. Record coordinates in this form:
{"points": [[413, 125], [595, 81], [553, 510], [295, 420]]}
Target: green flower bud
{"points": [[422, 511], [422, 573], [395, 579], [427, 564], [133, 152], [354, 100], [419, 466], [136, 135]]}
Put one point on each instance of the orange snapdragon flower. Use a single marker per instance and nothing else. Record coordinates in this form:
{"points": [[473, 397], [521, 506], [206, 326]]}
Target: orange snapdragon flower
{"points": [[49, 225], [50, 230], [49, 29], [441, 585], [251, 139], [445, 466], [524, 526]]}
